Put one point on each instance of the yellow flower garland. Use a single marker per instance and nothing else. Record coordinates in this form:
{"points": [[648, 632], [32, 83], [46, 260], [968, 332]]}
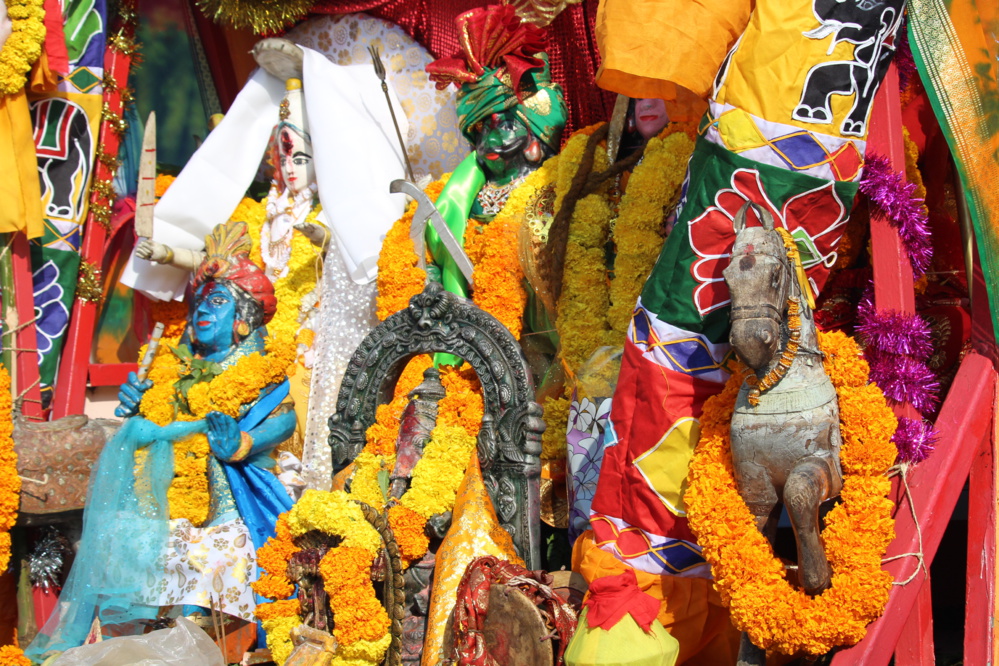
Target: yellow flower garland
{"points": [[24, 46], [301, 278], [362, 624], [433, 488], [238, 385], [11, 655], [587, 288], [654, 184], [749, 578], [10, 482]]}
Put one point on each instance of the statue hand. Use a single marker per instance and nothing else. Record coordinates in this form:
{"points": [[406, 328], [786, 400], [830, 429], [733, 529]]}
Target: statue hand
{"points": [[317, 233], [223, 435], [153, 251], [130, 395]]}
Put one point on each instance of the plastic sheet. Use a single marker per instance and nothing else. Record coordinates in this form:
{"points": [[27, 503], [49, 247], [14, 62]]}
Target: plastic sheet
{"points": [[183, 645]]}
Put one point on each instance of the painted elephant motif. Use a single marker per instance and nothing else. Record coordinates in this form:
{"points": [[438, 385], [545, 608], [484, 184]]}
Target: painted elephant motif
{"points": [[65, 147], [871, 26]]}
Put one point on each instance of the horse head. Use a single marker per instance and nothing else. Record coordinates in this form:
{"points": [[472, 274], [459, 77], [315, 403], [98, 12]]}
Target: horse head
{"points": [[760, 281]]}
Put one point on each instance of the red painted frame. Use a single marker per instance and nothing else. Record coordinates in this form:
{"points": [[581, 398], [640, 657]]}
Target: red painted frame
{"points": [[71, 384], [966, 448]]}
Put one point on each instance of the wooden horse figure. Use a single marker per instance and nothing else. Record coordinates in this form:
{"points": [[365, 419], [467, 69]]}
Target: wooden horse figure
{"points": [[785, 428]]}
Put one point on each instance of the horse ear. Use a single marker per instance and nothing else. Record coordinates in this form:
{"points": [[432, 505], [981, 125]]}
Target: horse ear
{"points": [[766, 219], [739, 221]]}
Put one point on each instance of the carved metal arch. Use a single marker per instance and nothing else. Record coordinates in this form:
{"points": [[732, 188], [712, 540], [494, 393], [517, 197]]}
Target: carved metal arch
{"points": [[509, 442]]}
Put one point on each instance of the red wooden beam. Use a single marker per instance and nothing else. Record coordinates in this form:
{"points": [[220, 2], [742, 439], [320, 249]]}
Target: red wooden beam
{"points": [[111, 374], [915, 644], [71, 383], [965, 421], [27, 379], [980, 598], [892, 270]]}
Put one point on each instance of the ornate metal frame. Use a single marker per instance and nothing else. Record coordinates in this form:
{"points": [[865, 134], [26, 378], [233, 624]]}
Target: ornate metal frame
{"points": [[509, 442]]}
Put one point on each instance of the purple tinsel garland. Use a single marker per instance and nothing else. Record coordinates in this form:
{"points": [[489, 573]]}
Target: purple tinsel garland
{"points": [[904, 379], [914, 440], [893, 332], [892, 198], [896, 346]]}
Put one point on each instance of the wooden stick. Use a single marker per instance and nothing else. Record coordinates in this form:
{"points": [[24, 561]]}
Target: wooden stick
{"points": [[147, 359]]}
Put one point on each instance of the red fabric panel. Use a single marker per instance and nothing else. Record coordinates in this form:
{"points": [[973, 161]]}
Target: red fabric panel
{"points": [[55, 40]]}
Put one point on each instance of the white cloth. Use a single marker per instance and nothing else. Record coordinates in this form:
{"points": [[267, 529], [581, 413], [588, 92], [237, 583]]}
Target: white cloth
{"points": [[356, 156], [209, 563]]}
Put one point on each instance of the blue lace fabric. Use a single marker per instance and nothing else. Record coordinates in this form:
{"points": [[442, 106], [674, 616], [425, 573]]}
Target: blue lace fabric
{"points": [[125, 530]]}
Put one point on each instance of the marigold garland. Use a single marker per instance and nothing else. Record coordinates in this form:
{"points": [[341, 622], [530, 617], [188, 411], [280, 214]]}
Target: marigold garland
{"points": [[240, 384], [362, 624], [654, 185], [23, 46], [293, 289], [589, 285], [749, 578], [10, 482], [11, 655], [492, 248], [399, 276], [556, 416]]}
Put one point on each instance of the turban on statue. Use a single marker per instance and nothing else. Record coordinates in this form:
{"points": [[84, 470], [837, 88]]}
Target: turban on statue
{"points": [[501, 67], [227, 260]]}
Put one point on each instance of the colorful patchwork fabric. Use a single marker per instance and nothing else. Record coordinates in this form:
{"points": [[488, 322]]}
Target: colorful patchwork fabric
{"points": [[786, 131], [686, 288], [647, 552], [66, 124], [784, 146]]}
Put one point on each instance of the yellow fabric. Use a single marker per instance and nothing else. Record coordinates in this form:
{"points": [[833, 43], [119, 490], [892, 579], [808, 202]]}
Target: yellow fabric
{"points": [[691, 610], [768, 68], [299, 386], [475, 531], [625, 644], [20, 193], [665, 464], [668, 49]]}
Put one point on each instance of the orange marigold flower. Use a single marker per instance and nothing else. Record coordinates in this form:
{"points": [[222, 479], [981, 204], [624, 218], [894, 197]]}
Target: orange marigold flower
{"points": [[277, 609], [408, 528], [750, 580], [11, 655], [273, 587]]}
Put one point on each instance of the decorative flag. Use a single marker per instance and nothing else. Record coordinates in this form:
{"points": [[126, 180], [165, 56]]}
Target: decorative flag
{"points": [[785, 129]]}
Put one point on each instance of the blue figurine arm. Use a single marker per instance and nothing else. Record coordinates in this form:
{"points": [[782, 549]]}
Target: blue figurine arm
{"points": [[130, 395], [230, 444]]}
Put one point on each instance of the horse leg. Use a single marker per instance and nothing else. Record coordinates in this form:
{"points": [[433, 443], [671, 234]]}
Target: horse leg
{"points": [[807, 486], [756, 488]]}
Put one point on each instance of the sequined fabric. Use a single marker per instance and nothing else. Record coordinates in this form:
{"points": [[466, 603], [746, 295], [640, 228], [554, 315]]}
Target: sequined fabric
{"points": [[475, 532], [572, 47], [346, 315]]}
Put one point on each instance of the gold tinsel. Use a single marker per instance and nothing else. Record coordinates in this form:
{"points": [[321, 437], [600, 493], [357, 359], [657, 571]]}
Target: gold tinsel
{"points": [[90, 286], [262, 16]]}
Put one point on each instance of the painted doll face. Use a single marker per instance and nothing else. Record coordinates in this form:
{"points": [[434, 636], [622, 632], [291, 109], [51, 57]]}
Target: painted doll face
{"points": [[295, 155], [500, 148], [650, 117], [213, 320]]}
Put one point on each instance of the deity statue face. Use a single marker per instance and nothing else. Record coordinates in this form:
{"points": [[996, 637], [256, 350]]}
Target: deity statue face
{"points": [[213, 319], [650, 117], [294, 150], [500, 149]]}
